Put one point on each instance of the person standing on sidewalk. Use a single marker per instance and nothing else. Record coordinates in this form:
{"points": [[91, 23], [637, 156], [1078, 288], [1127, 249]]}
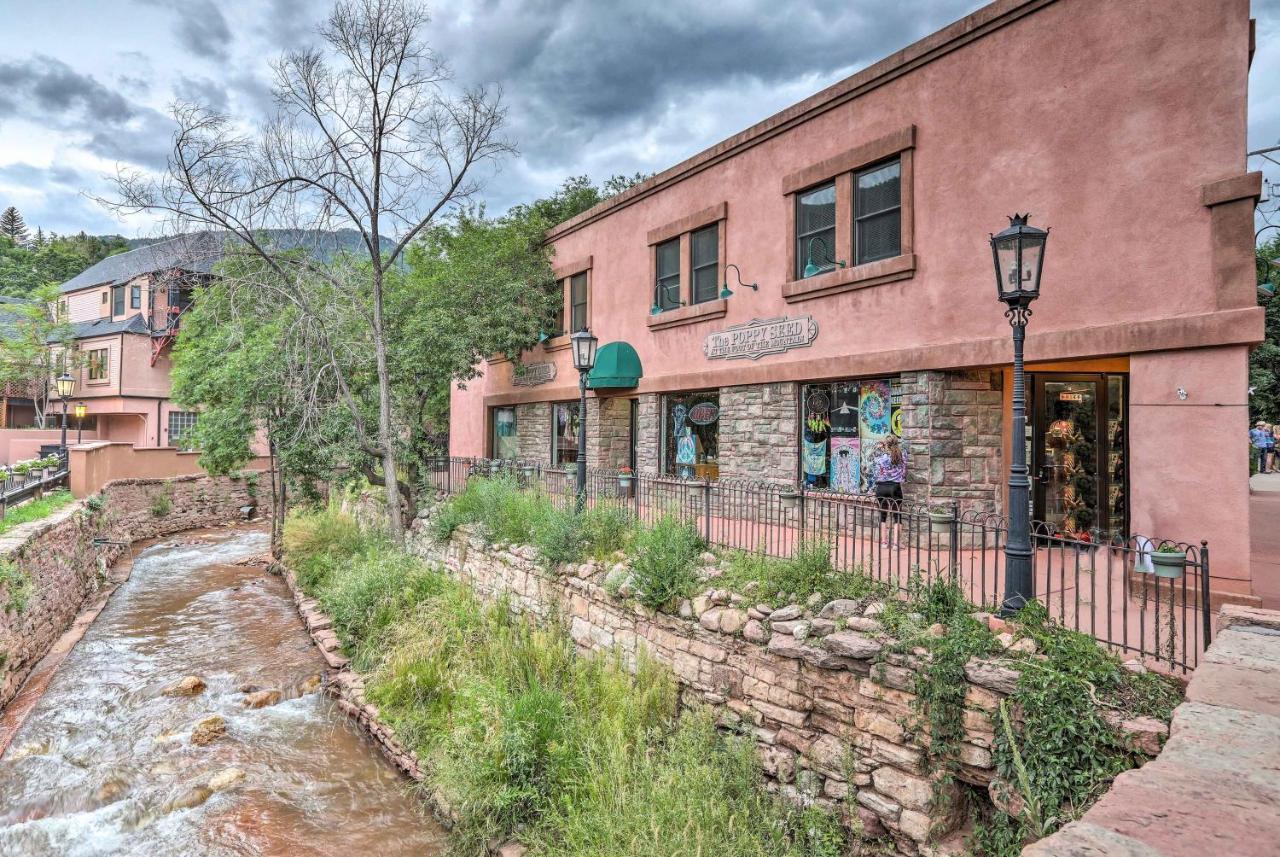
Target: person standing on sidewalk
{"points": [[1263, 442], [890, 471]]}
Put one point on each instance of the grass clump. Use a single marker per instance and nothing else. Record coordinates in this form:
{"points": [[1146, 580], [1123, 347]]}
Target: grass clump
{"points": [[778, 582], [34, 510], [317, 542], [17, 586], [664, 559], [500, 509]]}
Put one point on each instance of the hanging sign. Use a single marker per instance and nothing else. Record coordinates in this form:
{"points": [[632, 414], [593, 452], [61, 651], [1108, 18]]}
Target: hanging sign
{"points": [[759, 337], [533, 374], [703, 413]]}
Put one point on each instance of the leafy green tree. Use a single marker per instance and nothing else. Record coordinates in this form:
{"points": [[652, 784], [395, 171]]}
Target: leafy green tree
{"points": [[53, 259], [1264, 362], [37, 346], [12, 225]]}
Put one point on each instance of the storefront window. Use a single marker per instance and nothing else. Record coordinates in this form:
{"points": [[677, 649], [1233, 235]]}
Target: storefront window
{"points": [[504, 433], [564, 433], [843, 422], [691, 435]]}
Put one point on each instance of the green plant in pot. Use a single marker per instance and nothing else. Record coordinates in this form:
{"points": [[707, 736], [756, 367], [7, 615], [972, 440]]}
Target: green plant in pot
{"points": [[1169, 561], [22, 468], [626, 479]]}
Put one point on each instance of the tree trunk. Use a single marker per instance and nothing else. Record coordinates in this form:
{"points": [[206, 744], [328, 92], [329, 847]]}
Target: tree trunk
{"points": [[395, 525], [278, 504]]}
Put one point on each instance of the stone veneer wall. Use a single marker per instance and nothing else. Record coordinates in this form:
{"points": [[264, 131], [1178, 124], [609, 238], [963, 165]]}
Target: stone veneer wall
{"points": [[608, 432], [953, 423], [760, 432], [533, 432], [58, 554], [832, 727], [648, 428]]}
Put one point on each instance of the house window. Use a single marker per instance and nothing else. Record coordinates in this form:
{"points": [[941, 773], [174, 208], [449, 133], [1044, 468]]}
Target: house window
{"points": [[668, 269], [117, 300], [578, 300], [504, 433], [564, 433], [98, 361], [816, 230], [135, 297], [705, 249], [843, 425], [877, 201], [104, 297], [180, 425], [691, 435]]}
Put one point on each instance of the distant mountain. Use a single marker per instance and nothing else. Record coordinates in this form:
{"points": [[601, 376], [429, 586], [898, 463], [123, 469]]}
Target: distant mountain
{"points": [[327, 242]]}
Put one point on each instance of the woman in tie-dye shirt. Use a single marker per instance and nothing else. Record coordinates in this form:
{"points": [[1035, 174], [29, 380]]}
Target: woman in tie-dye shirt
{"points": [[889, 467]]}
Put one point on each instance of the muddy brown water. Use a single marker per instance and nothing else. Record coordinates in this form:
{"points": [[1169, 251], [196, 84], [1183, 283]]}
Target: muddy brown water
{"points": [[103, 752]]}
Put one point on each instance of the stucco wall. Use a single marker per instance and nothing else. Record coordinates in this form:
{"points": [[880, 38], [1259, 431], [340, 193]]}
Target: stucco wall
{"points": [[96, 464], [58, 555]]}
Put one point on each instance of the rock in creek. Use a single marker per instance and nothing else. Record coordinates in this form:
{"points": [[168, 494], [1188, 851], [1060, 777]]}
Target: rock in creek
{"points": [[261, 698], [187, 686], [193, 797], [225, 779], [310, 684], [208, 730]]}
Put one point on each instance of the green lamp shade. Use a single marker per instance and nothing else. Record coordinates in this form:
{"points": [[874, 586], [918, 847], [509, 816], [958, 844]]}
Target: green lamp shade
{"points": [[617, 367], [811, 269]]}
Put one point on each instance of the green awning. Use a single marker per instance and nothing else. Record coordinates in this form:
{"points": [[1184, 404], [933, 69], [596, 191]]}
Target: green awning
{"points": [[617, 367]]}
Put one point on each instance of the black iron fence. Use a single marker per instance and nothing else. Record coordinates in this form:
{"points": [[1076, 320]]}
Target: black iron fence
{"points": [[21, 482], [1138, 595]]}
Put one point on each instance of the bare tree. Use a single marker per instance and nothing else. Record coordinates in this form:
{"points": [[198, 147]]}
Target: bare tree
{"points": [[366, 137]]}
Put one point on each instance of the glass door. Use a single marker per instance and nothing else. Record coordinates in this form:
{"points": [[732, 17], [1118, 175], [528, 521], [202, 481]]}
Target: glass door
{"points": [[1078, 463]]}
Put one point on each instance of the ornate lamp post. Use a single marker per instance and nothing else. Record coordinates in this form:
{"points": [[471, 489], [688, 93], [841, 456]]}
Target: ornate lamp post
{"points": [[66, 385], [584, 357], [82, 411], [1018, 254]]}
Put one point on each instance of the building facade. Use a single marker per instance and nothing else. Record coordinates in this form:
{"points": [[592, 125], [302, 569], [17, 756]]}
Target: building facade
{"points": [[863, 214], [125, 314]]}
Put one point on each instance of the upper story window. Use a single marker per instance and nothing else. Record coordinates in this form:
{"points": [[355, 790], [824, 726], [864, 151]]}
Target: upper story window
{"points": [[117, 300], [816, 230], [877, 210], [852, 224], [705, 250], [98, 364], [557, 323], [667, 261], [578, 301], [135, 297]]}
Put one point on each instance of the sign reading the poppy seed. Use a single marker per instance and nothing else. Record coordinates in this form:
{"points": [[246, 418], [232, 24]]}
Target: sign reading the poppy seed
{"points": [[533, 374], [756, 338]]}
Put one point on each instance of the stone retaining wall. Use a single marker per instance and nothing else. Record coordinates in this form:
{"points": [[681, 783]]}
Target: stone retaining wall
{"points": [[64, 568], [833, 727]]}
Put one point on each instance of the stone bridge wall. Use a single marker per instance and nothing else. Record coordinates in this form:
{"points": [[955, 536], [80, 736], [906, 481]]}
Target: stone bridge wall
{"points": [[1215, 787], [57, 555], [831, 726]]}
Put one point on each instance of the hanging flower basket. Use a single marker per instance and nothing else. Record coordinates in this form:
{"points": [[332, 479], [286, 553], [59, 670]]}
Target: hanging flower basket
{"points": [[1169, 563]]}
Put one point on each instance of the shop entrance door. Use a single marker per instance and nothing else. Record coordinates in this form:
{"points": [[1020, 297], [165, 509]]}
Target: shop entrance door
{"points": [[1079, 469]]}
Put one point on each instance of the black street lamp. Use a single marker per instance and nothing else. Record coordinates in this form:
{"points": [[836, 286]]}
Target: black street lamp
{"points": [[81, 411], [584, 358], [66, 385], [1018, 254]]}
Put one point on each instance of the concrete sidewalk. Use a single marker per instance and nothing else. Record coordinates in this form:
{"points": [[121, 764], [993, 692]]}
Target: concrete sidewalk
{"points": [[1264, 537]]}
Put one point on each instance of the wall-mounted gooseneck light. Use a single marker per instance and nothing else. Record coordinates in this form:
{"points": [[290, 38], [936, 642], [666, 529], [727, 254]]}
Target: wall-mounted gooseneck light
{"points": [[725, 293], [811, 268]]}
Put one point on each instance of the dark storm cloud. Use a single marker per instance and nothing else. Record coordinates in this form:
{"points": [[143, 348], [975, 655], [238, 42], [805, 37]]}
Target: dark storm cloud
{"points": [[202, 91], [42, 85], [577, 71], [289, 24], [200, 27]]}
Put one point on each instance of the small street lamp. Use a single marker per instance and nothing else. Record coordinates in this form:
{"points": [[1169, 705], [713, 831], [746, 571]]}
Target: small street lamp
{"points": [[725, 292], [81, 411], [811, 268], [66, 385], [584, 358], [1018, 255]]}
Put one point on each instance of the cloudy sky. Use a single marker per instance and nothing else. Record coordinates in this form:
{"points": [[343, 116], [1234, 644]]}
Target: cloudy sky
{"points": [[594, 86]]}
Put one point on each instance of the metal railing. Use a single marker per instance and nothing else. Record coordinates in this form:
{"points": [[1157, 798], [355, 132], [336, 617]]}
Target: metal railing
{"points": [[16, 487], [1107, 587]]}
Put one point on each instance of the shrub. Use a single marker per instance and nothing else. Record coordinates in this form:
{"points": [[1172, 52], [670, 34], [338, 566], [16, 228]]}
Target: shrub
{"points": [[663, 561], [161, 504], [607, 527], [503, 512], [316, 542], [808, 571], [559, 537], [17, 586]]}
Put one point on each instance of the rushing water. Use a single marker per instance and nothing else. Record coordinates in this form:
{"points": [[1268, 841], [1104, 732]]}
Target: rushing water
{"points": [[101, 760]]}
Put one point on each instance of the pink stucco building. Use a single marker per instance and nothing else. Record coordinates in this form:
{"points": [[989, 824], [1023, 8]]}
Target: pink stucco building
{"points": [[125, 312], [863, 215]]}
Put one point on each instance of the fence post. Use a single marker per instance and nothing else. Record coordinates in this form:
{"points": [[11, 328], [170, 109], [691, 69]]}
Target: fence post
{"points": [[1206, 609], [706, 510], [954, 571], [803, 522]]}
